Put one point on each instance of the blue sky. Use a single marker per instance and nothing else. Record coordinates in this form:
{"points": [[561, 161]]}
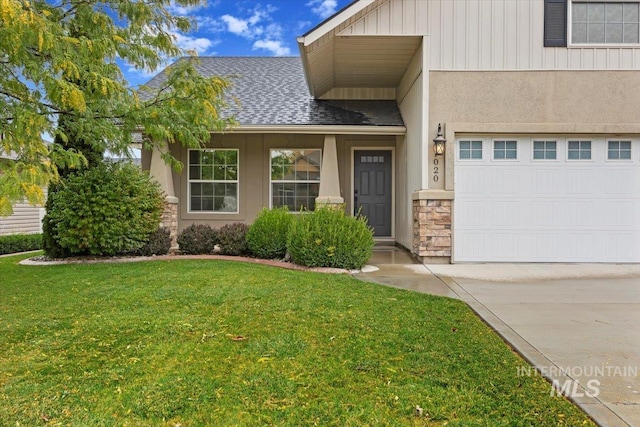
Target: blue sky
{"points": [[247, 28]]}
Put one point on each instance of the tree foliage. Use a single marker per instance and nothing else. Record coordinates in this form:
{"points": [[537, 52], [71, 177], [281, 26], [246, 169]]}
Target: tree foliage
{"points": [[110, 209], [62, 60]]}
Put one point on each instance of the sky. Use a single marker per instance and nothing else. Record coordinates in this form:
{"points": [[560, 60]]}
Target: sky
{"points": [[246, 28]]}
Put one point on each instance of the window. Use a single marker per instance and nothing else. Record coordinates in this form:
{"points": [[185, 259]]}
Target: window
{"points": [[295, 178], [544, 150], [579, 150], [605, 22], [470, 150], [213, 181], [619, 150], [505, 150]]}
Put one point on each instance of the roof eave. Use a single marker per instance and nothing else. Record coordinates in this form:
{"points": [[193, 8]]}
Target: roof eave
{"points": [[333, 21], [321, 129]]}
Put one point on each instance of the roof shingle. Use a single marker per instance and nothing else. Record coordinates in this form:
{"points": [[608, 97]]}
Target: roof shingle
{"points": [[272, 91]]}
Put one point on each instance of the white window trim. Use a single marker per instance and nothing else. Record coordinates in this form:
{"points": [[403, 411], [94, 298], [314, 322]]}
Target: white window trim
{"points": [[482, 149], [236, 181], [507, 139], [558, 149], [571, 44], [271, 181], [606, 147]]}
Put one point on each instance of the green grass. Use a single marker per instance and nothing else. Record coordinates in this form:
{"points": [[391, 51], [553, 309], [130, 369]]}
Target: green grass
{"points": [[213, 343]]}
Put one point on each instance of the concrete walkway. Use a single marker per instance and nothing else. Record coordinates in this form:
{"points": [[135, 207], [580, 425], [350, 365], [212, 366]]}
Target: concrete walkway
{"points": [[577, 324]]}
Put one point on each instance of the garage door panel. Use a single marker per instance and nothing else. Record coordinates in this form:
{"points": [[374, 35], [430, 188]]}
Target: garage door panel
{"points": [[547, 211]]}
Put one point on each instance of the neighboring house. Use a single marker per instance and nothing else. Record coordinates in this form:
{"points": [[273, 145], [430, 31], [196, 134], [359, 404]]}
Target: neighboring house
{"points": [[25, 219], [539, 103]]}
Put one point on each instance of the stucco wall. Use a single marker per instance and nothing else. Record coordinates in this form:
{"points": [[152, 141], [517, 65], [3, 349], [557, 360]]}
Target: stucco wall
{"points": [[532, 102]]}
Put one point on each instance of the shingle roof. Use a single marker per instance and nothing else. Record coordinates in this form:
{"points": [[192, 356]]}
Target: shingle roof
{"points": [[273, 91]]}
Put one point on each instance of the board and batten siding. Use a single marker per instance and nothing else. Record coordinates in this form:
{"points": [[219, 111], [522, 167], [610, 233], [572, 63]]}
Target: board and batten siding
{"points": [[26, 219], [484, 35]]}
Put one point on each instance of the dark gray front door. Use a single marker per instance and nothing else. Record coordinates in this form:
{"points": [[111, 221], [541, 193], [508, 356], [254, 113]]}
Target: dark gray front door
{"points": [[372, 188]]}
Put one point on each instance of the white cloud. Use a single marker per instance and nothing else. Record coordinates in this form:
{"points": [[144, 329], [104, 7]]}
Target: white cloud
{"points": [[323, 8], [200, 45], [179, 10], [273, 46], [249, 27]]}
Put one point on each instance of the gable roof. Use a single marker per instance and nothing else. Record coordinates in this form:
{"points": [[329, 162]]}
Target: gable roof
{"points": [[272, 91]]}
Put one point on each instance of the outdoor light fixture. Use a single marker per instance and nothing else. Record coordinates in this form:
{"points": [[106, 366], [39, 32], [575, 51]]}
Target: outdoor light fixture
{"points": [[439, 142]]}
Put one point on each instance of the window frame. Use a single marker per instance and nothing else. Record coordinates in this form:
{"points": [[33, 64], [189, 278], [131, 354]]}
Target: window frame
{"points": [[213, 181], [544, 150], [471, 150], [580, 141], [572, 43], [271, 180], [505, 159], [619, 159]]}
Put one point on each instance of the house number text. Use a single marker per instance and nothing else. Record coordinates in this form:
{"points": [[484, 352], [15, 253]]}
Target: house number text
{"points": [[436, 170]]}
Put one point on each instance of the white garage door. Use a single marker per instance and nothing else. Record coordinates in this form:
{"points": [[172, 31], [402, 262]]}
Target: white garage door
{"points": [[547, 200]]}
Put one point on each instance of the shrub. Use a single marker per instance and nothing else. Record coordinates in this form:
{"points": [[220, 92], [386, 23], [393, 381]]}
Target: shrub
{"points": [[232, 239], [328, 237], [110, 209], [20, 243], [158, 243], [267, 236], [197, 239]]}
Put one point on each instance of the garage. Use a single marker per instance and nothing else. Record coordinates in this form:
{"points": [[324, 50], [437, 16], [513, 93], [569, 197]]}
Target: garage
{"points": [[546, 199]]}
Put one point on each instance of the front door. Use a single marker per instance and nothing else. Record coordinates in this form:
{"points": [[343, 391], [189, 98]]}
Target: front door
{"points": [[372, 189]]}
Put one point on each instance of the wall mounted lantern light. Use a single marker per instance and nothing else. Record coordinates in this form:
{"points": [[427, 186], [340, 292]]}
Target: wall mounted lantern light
{"points": [[439, 142]]}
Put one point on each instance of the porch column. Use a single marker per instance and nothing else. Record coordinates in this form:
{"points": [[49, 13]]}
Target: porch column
{"points": [[329, 193], [162, 173]]}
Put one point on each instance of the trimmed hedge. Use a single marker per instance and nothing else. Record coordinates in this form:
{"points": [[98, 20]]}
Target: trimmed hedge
{"points": [[232, 239], [267, 236], [14, 243], [327, 237], [197, 239], [158, 243], [107, 210]]}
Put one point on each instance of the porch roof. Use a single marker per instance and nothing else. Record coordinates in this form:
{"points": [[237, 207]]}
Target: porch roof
{"points": [[272, 92]]}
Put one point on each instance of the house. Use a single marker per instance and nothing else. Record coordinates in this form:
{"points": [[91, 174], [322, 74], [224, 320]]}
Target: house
{"points": [[535, 105]]}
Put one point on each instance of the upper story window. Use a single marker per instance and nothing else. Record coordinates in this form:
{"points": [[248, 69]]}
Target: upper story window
{"points": [[295, 178], [605, 22], [591, 22], [213, 181]]}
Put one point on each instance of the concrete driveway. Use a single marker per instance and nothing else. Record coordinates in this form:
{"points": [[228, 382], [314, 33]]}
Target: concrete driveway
{"points": [[581, 330], [578, 324]]}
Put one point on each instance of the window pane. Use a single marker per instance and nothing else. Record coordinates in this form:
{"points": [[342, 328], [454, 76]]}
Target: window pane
{"points": [[194, 172], [573, 155], [613, 33], [465, 154], [630, 33], [551, 154], [207, 172], [630, 12], [595, 33], [196, 189], [511, 145], [538, 155], [476, 154], [613, 12], [579, 11], [194, 157], [579, 33], [613, 154], [465, 145], [538, 145], [196, 203], [218, 173], [595, 12], [476, 145], [574, 145], [511, 154]]}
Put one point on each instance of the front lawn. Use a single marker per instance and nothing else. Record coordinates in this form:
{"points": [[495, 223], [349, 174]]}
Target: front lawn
{"points": [[215, 343]]}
